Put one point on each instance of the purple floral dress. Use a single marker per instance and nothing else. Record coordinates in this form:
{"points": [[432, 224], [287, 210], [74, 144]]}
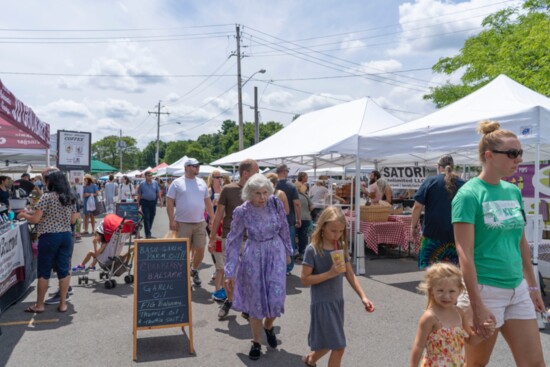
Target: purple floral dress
{"points": [[260, 272]]}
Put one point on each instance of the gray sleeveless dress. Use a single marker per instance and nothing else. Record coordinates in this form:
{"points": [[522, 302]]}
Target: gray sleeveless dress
{"points": [[326, 328]]}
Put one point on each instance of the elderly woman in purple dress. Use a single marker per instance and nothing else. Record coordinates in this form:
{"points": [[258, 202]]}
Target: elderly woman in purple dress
{"points": [[259, 274]]}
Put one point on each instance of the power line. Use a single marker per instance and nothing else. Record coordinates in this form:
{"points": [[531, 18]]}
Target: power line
{"points": [[145, 76], [111, 29]]}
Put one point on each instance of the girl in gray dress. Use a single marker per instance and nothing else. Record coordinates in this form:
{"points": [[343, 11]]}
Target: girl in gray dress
{"points": [[326, 329]]}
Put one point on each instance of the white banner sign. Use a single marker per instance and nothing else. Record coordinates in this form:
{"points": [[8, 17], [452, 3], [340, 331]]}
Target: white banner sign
{"points": [[12, 260], [404, 177], [74, 150]]}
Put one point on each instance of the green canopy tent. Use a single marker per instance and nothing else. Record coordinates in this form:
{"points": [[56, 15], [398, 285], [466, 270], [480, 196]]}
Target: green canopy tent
{"points": [[99, 166]]}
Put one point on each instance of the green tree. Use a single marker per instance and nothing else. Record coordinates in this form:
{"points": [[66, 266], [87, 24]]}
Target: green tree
{"points": [[148, 153], [516, 42], [107, 150], [177, 149]]}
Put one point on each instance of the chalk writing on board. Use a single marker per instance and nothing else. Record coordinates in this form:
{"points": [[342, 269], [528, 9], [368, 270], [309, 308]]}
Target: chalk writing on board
{"points": [[162, 284]]}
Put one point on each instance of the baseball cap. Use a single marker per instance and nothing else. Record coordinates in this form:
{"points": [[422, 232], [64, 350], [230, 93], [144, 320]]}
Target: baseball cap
{"points": [[191, 162]]}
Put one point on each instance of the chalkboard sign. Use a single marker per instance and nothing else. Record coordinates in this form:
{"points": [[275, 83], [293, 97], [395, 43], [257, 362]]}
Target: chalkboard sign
{"points": [[162, 290], [128, 211]]}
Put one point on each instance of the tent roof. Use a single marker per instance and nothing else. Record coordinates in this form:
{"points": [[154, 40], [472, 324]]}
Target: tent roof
{"points": [[162, 165], [452, 129], [20, 128], [99, 166], [311, 134]]}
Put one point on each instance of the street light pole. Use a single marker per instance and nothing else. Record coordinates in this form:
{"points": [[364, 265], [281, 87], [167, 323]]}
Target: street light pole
{"points": [[240, 99]]}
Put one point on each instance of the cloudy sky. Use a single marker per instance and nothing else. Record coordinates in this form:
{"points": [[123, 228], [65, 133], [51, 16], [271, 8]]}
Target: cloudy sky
{"points": [[101, 65]]}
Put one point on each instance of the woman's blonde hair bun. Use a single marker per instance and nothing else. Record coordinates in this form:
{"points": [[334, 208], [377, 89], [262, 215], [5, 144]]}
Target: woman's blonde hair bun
{"points": [[486, 127]]}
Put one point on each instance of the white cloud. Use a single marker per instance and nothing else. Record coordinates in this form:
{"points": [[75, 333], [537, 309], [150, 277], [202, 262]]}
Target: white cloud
{"points": [[381, 65], [430, 25], [64, 108], [351, 44]]}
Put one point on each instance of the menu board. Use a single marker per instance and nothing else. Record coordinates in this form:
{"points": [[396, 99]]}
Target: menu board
{"points": [[74, 150], [162, 290]]}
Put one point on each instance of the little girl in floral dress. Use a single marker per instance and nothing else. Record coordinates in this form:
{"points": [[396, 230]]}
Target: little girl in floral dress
{"points": [[442, 329]]}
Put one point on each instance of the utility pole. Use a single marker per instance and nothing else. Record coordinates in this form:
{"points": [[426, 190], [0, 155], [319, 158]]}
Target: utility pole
{"points": [[256, 118], [120, 149], [239, 89], [158, 113]]}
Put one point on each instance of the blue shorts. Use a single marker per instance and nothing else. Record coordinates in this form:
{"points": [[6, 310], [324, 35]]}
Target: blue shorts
{"points": [[54, 249]]}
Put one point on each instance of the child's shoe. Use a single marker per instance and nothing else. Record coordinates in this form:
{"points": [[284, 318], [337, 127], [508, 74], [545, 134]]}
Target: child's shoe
{"points": [[78, 267], [91, 268]]}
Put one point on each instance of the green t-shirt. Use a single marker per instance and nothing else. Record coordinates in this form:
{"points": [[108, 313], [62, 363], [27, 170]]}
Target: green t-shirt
{"points": [[496, 211]]}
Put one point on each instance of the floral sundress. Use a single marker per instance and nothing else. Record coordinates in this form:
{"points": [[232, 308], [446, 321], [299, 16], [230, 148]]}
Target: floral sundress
{"points": [[444, 347]]}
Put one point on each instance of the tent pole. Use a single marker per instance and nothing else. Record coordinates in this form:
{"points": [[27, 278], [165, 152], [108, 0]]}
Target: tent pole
{"points": [[536, 179], [359, 252]]}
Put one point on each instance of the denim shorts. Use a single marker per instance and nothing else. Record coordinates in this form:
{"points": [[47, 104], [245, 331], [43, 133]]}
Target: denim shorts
{"points": [[505, 304], [54, 249]]}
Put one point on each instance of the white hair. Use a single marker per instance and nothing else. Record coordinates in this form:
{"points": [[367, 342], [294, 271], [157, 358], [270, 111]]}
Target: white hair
{"points": [[255, 183]]}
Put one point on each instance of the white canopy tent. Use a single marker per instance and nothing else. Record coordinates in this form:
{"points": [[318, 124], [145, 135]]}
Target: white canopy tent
{"points": [[305, 140], [452, 129], [174, 167]]}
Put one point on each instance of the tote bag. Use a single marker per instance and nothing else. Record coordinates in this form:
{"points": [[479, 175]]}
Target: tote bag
{"points": [[90, 204]]}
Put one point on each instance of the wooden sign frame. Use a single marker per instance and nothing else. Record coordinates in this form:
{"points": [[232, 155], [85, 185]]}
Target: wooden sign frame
{"points": [[136, 328]]}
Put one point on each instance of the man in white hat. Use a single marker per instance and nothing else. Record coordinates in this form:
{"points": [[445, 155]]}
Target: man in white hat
{"points": [[189, 195]]}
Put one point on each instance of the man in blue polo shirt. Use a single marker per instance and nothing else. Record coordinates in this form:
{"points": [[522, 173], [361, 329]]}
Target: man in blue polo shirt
{"points": [[148, 193]]}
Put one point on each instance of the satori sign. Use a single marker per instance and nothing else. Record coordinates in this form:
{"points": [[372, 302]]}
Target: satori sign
{"points": [[404, 177], [74, 150]]}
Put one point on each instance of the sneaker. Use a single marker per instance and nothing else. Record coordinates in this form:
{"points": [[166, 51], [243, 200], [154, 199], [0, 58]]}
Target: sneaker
{"points": [[70, 291], [78, 267], [56, 299], [271, 338], [219, 295], [224, 309], [196, 279], [91, 268], [255, 351], [245, 316]]}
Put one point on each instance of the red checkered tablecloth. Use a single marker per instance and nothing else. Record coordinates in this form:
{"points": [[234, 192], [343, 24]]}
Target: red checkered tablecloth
{"points": [[407, 220], [388, 233], [544, 250]]}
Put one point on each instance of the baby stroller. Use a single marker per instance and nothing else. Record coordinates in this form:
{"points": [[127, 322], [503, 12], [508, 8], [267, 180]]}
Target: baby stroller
{"points": [[117, 232]]}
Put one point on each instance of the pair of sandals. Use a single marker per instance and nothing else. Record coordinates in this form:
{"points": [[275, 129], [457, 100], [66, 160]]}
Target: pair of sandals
{"points": [[305, 360], [32, 309]]}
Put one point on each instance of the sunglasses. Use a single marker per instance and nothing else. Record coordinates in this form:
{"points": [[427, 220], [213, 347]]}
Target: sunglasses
{"points": [[194, 165], [510, 153], [218, 177]]}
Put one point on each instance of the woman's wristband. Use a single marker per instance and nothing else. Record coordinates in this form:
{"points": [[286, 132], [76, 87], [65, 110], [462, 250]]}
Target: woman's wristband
{"points": [[533, 289]]}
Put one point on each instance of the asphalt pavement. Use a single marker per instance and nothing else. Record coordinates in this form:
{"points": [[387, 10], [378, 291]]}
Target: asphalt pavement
{"points": [[97, 329]]}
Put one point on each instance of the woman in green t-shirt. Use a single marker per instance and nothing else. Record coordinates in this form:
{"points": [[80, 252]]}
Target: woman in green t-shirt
{"points": [[494, 254]]}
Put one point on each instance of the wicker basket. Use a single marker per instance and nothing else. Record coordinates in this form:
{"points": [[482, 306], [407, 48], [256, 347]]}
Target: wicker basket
{"points": [[375, 213]]}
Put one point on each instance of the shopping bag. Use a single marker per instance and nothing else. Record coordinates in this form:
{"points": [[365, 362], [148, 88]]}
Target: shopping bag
{"points": [[171, 234], [90, 204]]}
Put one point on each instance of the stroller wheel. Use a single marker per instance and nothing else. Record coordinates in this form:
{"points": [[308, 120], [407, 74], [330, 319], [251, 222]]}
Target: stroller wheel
{"points": [[79, 281], [113, 282], [128, 279], [86, 280], [108, 284]]}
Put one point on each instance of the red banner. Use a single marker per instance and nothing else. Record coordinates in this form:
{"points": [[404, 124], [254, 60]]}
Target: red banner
{"points": [[19, 126]]}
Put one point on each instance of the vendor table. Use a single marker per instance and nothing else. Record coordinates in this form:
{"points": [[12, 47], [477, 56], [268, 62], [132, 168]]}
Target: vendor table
{"points": [[396, 232], [17, 263]]}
